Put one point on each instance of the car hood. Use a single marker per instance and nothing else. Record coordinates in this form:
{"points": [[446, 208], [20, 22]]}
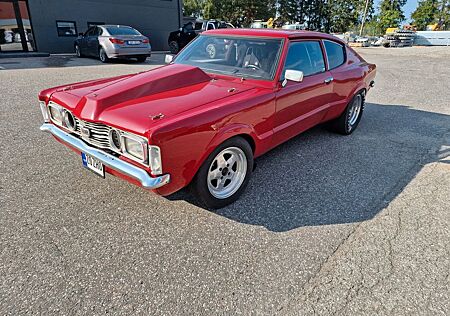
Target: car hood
{"points": [[138, 102]]}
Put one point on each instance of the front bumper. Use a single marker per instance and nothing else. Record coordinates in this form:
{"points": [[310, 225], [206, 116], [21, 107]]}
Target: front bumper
{"points": [[146, 181]]}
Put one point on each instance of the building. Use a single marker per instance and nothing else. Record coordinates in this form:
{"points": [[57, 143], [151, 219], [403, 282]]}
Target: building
{"points": [[53, 25]]}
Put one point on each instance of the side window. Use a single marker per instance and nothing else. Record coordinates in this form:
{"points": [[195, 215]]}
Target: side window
{"points": [[305, 56], [335, 54]]}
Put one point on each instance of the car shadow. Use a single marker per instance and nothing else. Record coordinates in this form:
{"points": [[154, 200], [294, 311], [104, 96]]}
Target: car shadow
{"points": [[70, 60], [321, 178]]}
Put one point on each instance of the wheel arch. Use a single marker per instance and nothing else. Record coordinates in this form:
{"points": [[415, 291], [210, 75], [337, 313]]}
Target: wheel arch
{"points": [[236, 130]]}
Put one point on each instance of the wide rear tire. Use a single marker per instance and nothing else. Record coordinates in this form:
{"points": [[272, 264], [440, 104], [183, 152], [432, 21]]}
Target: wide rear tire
{"points": [[224, 175], [350, 118]]}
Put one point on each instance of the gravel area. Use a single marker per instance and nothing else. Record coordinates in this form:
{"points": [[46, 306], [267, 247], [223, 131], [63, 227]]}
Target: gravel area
{"points": [[355, 225]]}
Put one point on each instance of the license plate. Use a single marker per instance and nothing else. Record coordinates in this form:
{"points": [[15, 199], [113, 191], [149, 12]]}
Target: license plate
{"points": [[93, 164], [134, 42]]}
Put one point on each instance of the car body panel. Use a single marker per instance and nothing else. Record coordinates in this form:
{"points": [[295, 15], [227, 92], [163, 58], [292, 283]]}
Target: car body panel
{"points": [[188, 113]]}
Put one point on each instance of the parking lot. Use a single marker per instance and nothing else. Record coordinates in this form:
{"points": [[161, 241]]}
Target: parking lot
{"points": [[355, 225]]}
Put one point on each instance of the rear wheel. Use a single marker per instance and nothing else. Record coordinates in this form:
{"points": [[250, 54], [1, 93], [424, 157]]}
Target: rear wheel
{"points": [[224, 175], [174, 47], [102, 55], [349, 120]]}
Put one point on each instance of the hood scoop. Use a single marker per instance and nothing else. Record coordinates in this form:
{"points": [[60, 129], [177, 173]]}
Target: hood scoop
{"points": [[140, 85]]}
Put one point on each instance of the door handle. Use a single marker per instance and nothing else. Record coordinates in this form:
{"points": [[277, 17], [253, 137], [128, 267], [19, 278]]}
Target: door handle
{"points": [[328, 80]]}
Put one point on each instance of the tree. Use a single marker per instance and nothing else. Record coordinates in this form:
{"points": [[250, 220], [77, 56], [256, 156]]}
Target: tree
{"points": [[425, 13], [391, 13], [192, 8]]}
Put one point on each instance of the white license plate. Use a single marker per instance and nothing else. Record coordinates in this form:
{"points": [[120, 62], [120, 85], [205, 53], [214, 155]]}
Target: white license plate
{"points": [[134, 42], [93, 164]]}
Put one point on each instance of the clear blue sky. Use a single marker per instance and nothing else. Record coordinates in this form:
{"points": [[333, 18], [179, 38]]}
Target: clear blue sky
{"points": [[409, 7]]}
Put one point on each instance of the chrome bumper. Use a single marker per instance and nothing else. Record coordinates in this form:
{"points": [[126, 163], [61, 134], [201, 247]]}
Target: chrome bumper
{"points": [[108, 160]]}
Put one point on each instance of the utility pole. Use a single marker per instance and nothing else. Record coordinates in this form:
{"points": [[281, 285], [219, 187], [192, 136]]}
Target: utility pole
{"points": [[364, 18]]}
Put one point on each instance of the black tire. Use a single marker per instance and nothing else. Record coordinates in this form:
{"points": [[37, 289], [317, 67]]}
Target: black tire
{"points": [[141, 59], [344, 124], [102, 55], [199, 186], [174, 47], [78, 51]]}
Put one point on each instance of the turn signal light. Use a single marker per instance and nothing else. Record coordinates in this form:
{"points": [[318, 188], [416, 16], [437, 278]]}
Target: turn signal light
{"points": [[116, 41]]}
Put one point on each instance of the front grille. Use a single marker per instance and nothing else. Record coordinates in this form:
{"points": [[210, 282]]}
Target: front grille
{"points": [[98, 133]]}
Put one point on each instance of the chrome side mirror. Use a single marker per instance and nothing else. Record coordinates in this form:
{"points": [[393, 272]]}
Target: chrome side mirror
{"points": [[292, 75], [168, 59]]}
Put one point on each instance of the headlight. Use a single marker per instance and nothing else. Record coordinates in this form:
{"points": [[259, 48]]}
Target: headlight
{"points": [[55, 113], [135, 147], [44, 111], [154, 154], [69, 120]]}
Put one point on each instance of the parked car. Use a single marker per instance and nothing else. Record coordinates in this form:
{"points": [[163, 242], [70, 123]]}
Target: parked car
{"points": [[180, 38], [201, 122], [113, 41]]}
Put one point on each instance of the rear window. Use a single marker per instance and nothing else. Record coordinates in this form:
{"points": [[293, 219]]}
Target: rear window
{"points": [[122, 31], [335, 54]]}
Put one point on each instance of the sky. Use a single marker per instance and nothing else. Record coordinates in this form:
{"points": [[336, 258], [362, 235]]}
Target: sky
{"points": [[409, 7]]}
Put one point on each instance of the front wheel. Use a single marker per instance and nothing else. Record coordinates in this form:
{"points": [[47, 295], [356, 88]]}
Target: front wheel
{"points": [[224, 175], [349, 119], [174, 47]]}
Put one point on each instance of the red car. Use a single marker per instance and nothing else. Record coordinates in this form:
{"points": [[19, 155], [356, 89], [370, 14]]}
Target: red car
{"points": [[201, 121]]}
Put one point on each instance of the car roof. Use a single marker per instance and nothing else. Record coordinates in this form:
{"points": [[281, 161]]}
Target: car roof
{"points": [[276, 33], [115, 25]]}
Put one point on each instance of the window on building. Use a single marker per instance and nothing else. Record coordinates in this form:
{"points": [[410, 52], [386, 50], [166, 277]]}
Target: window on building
{"points": [[305, 56], [335, 54], [66, 28]]}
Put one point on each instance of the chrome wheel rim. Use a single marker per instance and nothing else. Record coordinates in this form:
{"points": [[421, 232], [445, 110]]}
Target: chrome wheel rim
{"points": [[227, 172], [77, 51], [355, 110]]}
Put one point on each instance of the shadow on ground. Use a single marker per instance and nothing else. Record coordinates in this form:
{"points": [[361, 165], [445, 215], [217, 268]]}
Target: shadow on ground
{"points": [[320, 178], [58, 61]]}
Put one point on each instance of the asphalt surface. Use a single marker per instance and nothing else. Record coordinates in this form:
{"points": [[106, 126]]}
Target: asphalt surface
{"points": [[355, 225]]}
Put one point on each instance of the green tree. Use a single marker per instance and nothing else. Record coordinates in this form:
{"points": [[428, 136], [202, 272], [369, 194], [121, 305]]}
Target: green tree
{"points": [[192, 8], [391, 13], [425, 13]]}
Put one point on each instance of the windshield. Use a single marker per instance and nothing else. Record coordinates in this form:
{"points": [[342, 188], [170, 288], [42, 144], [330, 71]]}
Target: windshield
{"points": [[122, 31], [235, 56]]}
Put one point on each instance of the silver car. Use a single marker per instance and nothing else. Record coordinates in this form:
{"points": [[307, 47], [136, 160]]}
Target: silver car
{"points": [[113, 41]]}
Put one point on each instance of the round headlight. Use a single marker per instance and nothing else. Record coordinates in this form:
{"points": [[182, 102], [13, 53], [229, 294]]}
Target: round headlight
{"points": [[69, 120], [55, 113], [114, 139]]}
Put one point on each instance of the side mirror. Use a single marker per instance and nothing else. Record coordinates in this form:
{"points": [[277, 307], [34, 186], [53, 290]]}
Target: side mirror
{"points": [[293, 75], [168, 59]]}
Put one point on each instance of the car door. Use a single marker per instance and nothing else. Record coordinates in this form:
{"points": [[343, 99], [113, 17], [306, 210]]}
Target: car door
{"points": [[92, 41], [341, 70], [301, 105]]}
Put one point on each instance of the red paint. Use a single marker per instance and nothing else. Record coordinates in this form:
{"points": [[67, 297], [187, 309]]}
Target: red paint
{"points": [[200, 111]]}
